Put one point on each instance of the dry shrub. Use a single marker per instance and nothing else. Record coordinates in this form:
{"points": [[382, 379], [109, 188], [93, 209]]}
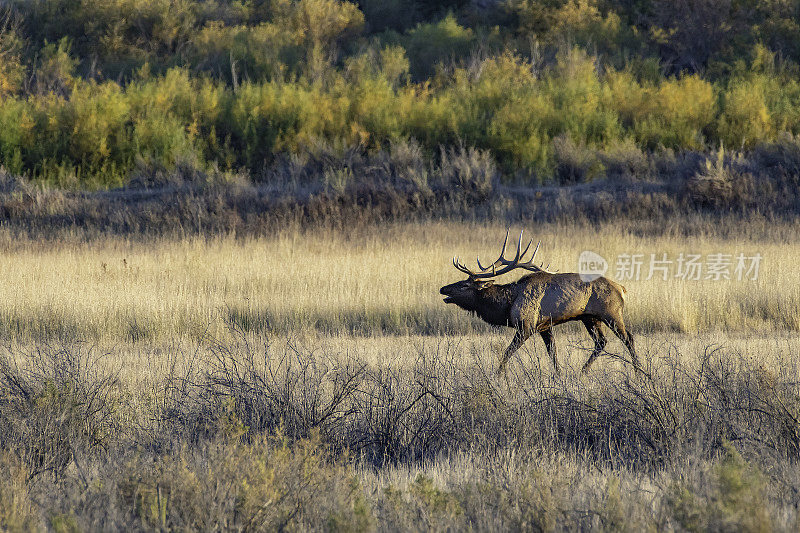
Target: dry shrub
{"points": [[17, 511], [266, 485], [150, 174], [342, 186], [260, 390], [625, 159], [410, 414], [721, 185], [406, 161], [575, 163], [421, 507], [383, 414], [530, 501], [329, 183], [55, 404], [59, 408], [403, 171], [781, 154], [733, 499], [438, 406], [469, 172], [11, 183], [266, 438]]}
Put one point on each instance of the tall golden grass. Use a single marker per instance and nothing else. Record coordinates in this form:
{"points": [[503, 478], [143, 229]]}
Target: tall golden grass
{"points": [[371, 282]]}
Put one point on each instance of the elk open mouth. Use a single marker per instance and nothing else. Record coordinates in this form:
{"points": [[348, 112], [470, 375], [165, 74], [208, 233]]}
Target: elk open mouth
{"points": [[448, 299]]}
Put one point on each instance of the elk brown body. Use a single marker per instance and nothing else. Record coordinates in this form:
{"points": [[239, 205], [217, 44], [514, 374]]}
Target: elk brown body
{"points": [[538, 301]]}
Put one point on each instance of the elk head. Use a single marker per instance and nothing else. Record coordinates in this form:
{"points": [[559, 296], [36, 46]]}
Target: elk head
{"points": [[467, 293]]}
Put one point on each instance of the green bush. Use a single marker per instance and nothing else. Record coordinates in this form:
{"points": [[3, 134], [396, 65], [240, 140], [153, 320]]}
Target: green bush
{"points": [[429, 45], [92, 135], [582, 22], [745, 119]]}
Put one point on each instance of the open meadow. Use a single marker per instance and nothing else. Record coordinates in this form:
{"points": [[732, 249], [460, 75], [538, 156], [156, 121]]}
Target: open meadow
{"points": [[368, 282], [181, 383]]}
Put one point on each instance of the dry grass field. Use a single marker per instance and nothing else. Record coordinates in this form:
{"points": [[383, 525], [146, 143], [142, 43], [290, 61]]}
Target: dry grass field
{"points": [[181, 384], [368, 282]]}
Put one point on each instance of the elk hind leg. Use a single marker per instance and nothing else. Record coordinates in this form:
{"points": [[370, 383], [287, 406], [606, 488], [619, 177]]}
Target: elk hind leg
{"points": [[550, 343], [618, 327], [593, 327], [519, 339]]}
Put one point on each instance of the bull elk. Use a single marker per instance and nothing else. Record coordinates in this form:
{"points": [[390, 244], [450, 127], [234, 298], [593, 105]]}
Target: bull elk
{"points": [[540, 300]]}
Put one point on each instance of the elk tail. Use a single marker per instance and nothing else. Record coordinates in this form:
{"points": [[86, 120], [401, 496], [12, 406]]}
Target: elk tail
{"points": [[623, 292]]}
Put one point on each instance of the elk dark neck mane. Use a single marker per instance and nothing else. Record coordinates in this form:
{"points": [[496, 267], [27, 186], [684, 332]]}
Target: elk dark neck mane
{"points": [[494, 303]]}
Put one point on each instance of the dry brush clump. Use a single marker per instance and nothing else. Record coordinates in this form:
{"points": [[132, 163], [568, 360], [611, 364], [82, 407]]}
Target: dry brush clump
{"points": [[723, 183], [325, 185], [254, 436], [733, 181], [440, 404], [79, 454], [55, 405]]}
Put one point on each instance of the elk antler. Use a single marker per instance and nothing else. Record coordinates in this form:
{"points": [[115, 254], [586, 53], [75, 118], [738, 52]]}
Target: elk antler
{"points": [[505, 264]]}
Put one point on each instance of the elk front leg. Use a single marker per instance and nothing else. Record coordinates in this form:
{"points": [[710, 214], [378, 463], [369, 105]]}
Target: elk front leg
{"points": [[519, 339]]}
